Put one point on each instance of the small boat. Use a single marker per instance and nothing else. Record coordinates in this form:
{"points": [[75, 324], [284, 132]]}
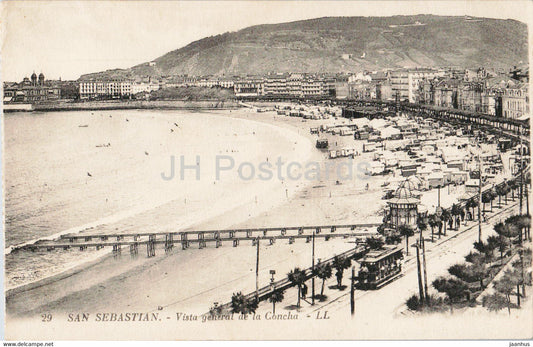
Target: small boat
{"points": [[83, 126]]}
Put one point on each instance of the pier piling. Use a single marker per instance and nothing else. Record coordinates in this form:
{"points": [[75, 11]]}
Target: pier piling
{"points": [[150, 246], [134, 249], [169, 242]]}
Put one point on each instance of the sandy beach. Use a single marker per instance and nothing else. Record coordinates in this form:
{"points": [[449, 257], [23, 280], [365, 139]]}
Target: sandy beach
{"points": [[192, 280]]}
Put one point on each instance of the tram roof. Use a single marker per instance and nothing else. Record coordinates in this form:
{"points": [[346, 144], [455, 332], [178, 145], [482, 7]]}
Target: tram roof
{"points": [[377, 255]]}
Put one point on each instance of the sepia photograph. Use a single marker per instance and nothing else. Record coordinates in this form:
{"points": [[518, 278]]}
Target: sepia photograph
{"points": [[266, 170]]}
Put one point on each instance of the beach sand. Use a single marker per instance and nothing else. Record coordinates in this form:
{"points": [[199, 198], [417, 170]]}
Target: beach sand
{"points": [[192, 280]]}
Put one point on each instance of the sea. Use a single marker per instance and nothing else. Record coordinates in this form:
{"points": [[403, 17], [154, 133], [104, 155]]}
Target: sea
{"points": [[110, 171]]}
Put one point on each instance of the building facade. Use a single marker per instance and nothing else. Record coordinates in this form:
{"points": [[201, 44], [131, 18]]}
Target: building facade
{"points": [[31, 91]]}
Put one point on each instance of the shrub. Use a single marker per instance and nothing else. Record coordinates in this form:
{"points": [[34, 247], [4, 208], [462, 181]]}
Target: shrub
{"points": [[413, 303]]}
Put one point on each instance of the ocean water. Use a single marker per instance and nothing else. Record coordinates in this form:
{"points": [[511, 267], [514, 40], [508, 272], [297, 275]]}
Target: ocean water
{"points": [[66, 172]]}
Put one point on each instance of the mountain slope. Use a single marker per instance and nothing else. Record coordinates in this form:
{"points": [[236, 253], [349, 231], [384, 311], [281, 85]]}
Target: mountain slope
{"points": [[335, 44]]}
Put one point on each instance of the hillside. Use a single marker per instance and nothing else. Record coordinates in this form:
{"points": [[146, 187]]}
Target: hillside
{"points": [[336, 44]]}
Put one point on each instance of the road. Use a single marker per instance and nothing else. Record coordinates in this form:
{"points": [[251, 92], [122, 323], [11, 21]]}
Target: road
{"points": [[374, 308]]}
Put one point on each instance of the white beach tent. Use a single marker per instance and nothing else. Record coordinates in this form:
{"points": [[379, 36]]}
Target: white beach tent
{"points": [[378, 123], [360, 122], [389, 131]]}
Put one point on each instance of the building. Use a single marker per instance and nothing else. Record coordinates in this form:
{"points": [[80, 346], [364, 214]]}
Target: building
{"points": [[415, 78], [93, 89], [515, 101], [276, 85], [313, 87], [400, 83], [31, 91], [248, 87]]}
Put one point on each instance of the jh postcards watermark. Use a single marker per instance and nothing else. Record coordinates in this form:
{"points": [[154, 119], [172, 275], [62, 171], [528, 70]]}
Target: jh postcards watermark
{"points": [[226, 166]]}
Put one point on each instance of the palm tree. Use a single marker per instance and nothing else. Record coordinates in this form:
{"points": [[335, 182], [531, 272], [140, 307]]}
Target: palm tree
{"points": [[456, 213], [499, 192], [445, 217], [513, 186], [324, 272], [297, 278], [276, 296], [340, 264], [422, 225], [472, 204], [486, 198], [242, 304], [407, 231], [505, 190], [433, 222]]}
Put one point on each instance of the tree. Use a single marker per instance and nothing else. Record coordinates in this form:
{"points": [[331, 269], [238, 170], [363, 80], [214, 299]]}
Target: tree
{"points": [[323, 271], [514, 227], [486, 198], [453, 288], [297, 278], [472, 204], [406, 231], [475, 272], [494, 302], [374, 242], [445, 217], [276, 296], [505, 287], [522, 265], [456, 213], [493, 242], [422, 225], [513, 186], [340, 264], [242, 304], [433, 222], [413, 303], [500, 191], [503, 231]]}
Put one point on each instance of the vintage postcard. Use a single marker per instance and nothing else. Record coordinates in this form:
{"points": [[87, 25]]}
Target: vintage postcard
{"points": [[266, 170]]}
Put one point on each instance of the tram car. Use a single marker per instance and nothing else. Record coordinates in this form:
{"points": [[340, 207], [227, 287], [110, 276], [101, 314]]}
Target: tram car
{"points": [[380, 267]]}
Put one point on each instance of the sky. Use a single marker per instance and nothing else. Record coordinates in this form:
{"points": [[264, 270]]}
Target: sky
{"points": [[69, 38]]}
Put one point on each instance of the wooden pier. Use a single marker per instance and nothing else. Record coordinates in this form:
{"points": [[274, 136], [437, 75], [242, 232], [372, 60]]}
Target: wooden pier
{"points": [[200, 238]]}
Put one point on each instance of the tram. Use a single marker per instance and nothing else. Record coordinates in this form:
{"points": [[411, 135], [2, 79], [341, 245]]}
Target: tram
{"points": [[380, 267]]}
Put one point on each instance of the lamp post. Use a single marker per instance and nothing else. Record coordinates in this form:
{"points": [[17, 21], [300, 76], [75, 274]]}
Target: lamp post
{"points": [[272, 273], [313, 272]]}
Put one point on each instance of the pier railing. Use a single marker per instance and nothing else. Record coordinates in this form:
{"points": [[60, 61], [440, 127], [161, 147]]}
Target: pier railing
{"points": [[200, 237]]}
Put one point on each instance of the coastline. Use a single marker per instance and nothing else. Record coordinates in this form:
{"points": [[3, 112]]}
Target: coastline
{"points": [[307, 204], [127, 105], [80, 268]]}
